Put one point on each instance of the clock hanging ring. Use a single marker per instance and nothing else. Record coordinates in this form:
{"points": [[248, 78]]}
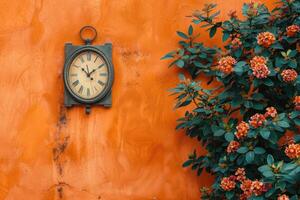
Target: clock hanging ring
{"points": [[88, 40]]}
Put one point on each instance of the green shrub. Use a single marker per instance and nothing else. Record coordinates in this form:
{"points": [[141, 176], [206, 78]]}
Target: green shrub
{"points": [[248, 119]]}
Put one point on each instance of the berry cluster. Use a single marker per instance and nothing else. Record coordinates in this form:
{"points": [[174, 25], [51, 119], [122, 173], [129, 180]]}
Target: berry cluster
{"points": [[265, 39], [226, 64], [259, 67]]}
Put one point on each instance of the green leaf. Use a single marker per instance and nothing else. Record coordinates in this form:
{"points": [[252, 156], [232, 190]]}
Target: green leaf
{"points": [[294, 114], [248, 104], [181, 76], [292, 64], [297, 138], [242, 150], [257, 96], [270, 192], [259, 150], [258, 106], [250, 156], [190, 31], [238, 52], [180, 63], [295, 197], [226, 35], [288, 167], [283, 54], [236, 101], [280, 185], [195, 21], [289, 178], [256, 198], [229, 137], [229, 195], [241, 64], [277, 45], [256, 82], [240, 68], [265, 133], [168, 55], [187, 163], [213, 31], [264, 168], [183, 35], [252, 134], [219, 132], [270, 159], [268, 174], [185, 103], [268, 82], [297, 121], [283, 124], [258, 49]]}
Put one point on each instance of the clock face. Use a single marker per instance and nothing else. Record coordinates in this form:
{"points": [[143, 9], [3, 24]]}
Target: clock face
{"points": [[88, 75]]}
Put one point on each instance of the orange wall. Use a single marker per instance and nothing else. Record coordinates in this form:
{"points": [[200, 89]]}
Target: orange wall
{"points": [[130, 151]]}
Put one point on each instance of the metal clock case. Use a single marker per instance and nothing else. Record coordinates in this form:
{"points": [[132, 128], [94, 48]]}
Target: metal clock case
{"points": [[72, 52]]}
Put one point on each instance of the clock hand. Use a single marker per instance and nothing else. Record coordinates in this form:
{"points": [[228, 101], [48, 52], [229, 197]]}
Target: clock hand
{"points": [[96, 69], [87, 68], [84, 71]]}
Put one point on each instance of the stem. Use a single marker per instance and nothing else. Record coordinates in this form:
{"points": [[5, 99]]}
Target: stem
{"points": [[234, 110], [194, 100]]}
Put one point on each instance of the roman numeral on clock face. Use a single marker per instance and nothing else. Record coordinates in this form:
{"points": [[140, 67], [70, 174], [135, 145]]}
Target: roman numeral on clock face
{"points": [[75, 83], [81, 58], [101, 65], [88, 55], [101, 83], [88, 92], [96, 59], [80, 90]]}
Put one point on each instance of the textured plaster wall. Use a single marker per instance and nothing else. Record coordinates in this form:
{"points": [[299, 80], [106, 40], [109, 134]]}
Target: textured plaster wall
{"points": [[130, 151]]}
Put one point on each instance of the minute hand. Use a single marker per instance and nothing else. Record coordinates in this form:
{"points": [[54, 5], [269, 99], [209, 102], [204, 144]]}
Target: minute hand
{"points": [[96, 69]]}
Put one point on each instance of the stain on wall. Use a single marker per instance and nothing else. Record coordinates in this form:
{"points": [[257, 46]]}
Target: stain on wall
{"points": [[130, 151]]}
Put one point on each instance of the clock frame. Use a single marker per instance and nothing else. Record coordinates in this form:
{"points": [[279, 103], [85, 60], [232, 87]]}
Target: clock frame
{"points": [[104, 98]]}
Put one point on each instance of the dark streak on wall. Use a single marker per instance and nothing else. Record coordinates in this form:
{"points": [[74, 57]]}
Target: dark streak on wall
{"points": [[61, 143]]}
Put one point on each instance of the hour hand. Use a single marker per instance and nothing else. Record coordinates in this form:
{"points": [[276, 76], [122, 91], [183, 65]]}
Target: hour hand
{"points": [[84, 71]]}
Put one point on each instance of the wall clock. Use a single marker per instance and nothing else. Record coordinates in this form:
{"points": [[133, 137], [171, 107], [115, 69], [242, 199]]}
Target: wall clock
{"points": [[88, 73]]}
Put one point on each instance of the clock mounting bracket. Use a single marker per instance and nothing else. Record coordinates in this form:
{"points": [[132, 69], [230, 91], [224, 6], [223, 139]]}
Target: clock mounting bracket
{"points": [[70, 52]]}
